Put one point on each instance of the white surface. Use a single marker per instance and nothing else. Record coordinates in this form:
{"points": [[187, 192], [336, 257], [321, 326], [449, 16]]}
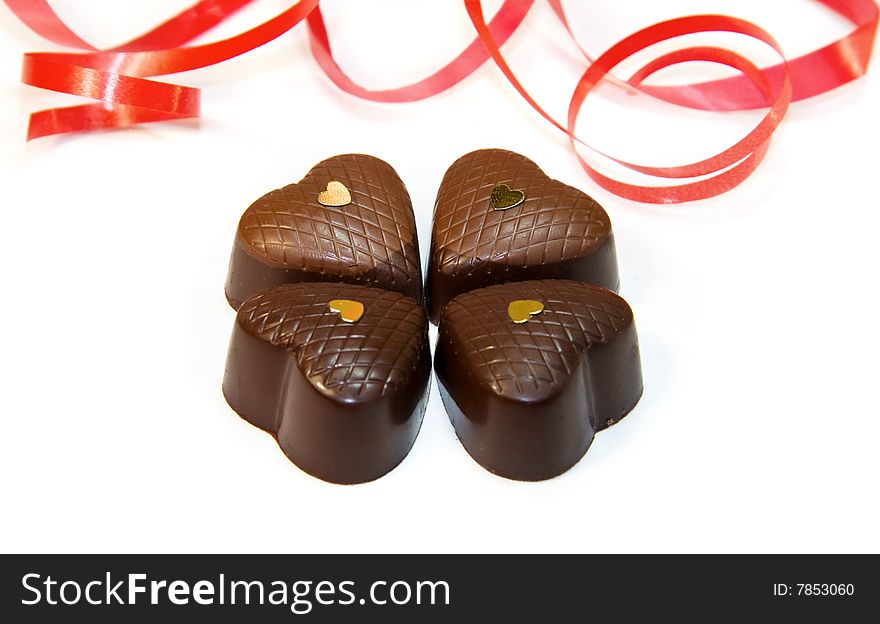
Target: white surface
{"points": [[757, 311]]}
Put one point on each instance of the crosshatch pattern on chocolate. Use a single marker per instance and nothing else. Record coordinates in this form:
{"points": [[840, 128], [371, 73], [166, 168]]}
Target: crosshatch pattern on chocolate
{"points": [[356, 361], [289, 236], [498, 218], [555, 221], [534, 358]]}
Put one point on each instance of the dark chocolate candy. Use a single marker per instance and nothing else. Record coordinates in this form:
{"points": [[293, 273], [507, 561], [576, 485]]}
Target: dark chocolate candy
{"points": [[499, 218], [530, 371], [350, 220], [337, 372]]}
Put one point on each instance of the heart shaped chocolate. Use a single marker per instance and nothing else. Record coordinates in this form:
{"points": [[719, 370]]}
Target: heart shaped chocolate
{"points": [[555, 231], [344, 400], [527, 398], [289, 235]]}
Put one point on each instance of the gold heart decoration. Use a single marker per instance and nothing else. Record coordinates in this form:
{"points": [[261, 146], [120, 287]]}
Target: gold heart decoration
{"points": [[336, 195], [522, 310], [348, 310], [504, 198]]}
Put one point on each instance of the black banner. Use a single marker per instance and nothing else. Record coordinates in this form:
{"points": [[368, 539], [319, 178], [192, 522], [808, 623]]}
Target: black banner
{"points": [[429, 588]]}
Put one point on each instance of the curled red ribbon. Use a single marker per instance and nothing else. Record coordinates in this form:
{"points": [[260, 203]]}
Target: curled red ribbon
{"points": [[117, 78]]}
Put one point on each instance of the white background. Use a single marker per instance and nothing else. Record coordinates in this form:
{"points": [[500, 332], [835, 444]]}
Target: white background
{"points": [[757, 311]]}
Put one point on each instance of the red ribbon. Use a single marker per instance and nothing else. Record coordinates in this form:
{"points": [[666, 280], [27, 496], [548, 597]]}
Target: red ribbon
{"points": [[117, 78], [819, 71]]}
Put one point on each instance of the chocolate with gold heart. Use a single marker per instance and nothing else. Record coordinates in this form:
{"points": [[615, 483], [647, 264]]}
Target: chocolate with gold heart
{"points": [[530, 371], [499, 218], [338, 373], [350, 219]]}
